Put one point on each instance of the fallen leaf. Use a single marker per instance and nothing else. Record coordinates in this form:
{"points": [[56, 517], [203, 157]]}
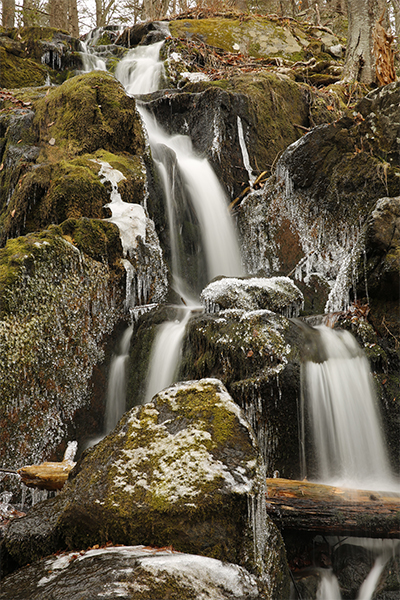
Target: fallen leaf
{"points": [[19, 141], [50, 124], [52, 141], [1, 166], [330, 107], [12, 213], [250, 353]]}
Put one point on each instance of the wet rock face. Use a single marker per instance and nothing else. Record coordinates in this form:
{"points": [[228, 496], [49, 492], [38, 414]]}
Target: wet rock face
{"points": [[383, 249], [310, 221], [256, 354], [178, 471], [268, 108], [131, 572]]}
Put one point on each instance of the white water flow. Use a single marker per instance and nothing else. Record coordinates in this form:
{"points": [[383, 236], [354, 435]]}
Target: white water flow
{"points": [[117, 382], [329, 587], [140, 72], [92, 62], [348, 441], [165, 355]]}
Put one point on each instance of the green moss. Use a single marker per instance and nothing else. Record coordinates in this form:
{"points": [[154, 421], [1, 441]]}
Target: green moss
{"points": [[89, 112], [19, 72]]}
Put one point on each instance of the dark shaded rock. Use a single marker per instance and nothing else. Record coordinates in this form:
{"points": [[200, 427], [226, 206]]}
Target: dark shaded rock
{"points": [[257, 356], [383, 250], [130, 572], [351, 565], [152, 483]]}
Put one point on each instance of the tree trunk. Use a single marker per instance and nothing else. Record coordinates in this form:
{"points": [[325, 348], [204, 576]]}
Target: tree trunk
{"points": [[73, 19], [324, 509], [58, 10], [8, 13], [360, 60], [99, 13]]}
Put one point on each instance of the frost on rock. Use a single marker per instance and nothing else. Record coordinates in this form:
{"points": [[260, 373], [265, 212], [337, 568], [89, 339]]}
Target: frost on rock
{"points": [[278, 220], [278, 294], [54, 318], [146, 271], [130, 571]]}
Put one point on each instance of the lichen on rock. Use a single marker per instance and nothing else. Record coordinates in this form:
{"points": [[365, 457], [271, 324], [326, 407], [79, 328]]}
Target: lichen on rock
{"points": [[181, 471]]}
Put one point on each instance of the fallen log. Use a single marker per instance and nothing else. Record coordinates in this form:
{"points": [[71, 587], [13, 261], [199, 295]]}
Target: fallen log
{"points": [[324, 509]]}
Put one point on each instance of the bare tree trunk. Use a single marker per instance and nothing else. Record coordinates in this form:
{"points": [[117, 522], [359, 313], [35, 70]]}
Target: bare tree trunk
{"points": [[8, 13], [27, 13], [73, 18], [360, 61], [99, 13], [58, 10]]}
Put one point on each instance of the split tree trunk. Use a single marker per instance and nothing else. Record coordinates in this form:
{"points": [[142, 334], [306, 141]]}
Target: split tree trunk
{"points": [[47, 476], [328, 510]]}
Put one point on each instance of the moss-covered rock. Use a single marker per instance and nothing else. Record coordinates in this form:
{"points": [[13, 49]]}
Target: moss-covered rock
{"points": [[253, 36], [57, 305], [183, 470], [30, 56], [89, 112]]}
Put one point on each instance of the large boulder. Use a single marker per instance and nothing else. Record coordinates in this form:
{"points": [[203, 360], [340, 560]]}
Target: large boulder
{"points": [[183, 470], [133, 572]]}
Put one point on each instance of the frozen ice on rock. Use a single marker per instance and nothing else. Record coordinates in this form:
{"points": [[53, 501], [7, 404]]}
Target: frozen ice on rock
{"points": [[278, 294], [120, 571]]}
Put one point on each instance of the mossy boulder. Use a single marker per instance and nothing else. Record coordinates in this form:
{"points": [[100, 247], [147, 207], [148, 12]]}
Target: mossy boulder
{"points": [[183, 470], [30, 56], [132, 572], [277, 294], [254, 36], [89, 112], [57, 307], [257, 355]]}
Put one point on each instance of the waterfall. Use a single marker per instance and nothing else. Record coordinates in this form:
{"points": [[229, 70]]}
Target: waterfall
{"points": [[165, 355], [116, 390], [329, 587], [346, 428], [192, 179]]}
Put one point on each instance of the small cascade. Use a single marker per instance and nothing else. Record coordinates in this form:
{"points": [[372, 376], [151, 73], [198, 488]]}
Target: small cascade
{"points": [[141, 70], [329, 586], [192, 180], [117, 382], [346, 426], [165, 355]]}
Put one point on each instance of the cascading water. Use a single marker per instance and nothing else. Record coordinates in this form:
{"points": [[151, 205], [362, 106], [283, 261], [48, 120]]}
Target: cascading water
{"points": [[345, 422], [140, 72], [116, 390], [339, 396]]}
